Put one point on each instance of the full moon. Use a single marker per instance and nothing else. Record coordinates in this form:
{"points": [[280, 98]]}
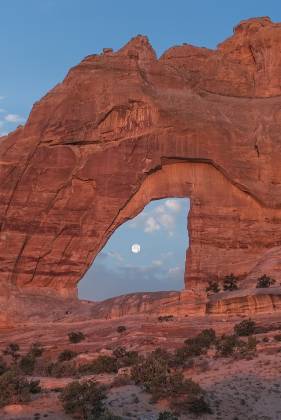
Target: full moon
{"points": [[136, 248]]}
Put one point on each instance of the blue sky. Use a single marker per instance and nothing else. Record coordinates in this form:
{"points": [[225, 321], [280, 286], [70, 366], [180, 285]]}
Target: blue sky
{"points": [[42, 39], [161, 231]]}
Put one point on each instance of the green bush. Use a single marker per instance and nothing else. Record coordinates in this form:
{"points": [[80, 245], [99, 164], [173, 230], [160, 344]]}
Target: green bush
{"points": [[83, 399], [245, 328], [103, 364], [76, 337], [213, 287], [14, 388], [66, 355], [121, 328], [230, 283], [167, 415], [264, 282]]}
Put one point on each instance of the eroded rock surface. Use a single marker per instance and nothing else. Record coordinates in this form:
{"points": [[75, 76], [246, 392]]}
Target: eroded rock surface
{"points": [[126, 127]]}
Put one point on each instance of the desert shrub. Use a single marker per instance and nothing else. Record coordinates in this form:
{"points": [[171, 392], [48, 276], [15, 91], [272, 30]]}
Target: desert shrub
{"points": [[119, 352], [12, 350], [213, 287], [124, 357], [183, 393], [102, 364], [167, 415], [248, 347], [36, 350], [230, 283], [66, 355], [277, 337], [252, 343], [83, 399], [109, 416], [154, 375], [121, 328], [76, 337], [199, 344], [121, 380], [151, 373], [14, 388], [27, 364], [165, 318], [61, 370], [227, 345], [199, 406], [3, 366], [182, 356], [245, 328], [264, 281], [265, 339]]}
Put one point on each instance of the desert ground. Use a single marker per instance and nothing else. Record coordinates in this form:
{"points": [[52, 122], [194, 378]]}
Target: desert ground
{"points": [[236, 388]]}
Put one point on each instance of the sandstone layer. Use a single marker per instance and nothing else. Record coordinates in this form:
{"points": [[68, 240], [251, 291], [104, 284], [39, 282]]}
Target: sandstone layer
{"points": [[125, 128]]}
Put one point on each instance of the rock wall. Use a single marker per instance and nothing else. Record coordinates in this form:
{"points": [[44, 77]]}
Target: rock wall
{"points": [[126, 127]]}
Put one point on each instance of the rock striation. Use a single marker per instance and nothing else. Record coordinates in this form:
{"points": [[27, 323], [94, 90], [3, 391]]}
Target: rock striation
{"points": [[125, 128]]}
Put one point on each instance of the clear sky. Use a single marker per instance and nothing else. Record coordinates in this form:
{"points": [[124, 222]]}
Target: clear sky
{"points": [[42, 39]]}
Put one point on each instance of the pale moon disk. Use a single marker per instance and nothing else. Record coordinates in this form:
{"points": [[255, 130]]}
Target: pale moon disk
{"points": [[136, 248]]}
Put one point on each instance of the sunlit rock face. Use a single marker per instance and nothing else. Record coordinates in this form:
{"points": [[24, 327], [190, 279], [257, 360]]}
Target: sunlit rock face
{"points": [[124, 128]]}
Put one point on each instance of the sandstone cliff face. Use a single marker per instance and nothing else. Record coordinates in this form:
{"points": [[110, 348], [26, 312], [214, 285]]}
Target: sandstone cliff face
{"points": [[124, 128]]}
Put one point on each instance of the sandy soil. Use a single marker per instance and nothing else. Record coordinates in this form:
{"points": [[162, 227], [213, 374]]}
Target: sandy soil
{"points": [[236, 389]]}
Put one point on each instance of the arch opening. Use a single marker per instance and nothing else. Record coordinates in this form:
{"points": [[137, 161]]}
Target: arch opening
{"points": [[145, 254]]}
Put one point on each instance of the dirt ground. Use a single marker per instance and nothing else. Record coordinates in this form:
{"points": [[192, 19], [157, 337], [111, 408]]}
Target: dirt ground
{"points": [[244, 389]]}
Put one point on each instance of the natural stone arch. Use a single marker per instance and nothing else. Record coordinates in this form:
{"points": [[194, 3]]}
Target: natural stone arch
{"points": [[95, 142]]}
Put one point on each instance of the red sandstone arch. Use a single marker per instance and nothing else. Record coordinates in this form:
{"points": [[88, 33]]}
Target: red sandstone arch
{"points": [[124, 128]]}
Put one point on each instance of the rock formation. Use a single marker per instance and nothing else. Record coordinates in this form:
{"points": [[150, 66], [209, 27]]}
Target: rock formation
{"points": [[126, 127]]}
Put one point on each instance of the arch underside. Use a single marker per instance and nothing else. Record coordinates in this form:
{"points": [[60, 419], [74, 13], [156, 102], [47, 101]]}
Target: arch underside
{"points": [[226, 228]]}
